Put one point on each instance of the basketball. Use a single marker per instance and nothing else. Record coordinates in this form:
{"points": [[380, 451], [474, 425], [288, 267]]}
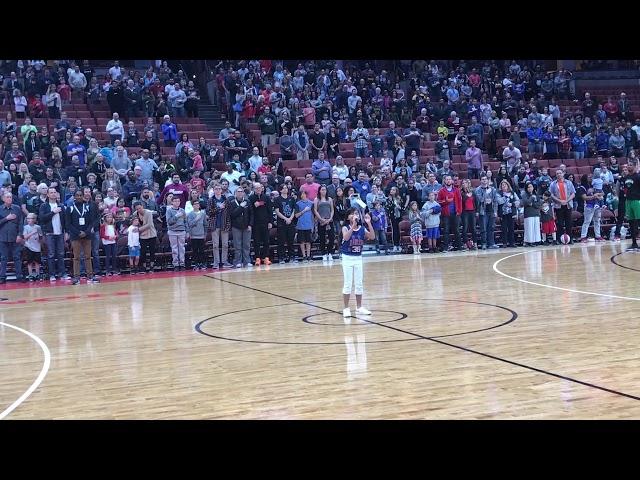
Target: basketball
{"points": [[565, 239], [436, 209]]}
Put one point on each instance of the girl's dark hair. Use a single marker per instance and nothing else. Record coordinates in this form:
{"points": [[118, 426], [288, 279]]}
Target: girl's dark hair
{"points": [[349, 211], [584, 181], [326, 192]]}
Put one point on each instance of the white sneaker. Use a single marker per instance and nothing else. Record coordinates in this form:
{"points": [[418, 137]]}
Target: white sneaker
{"points": [[362, 311], [346, 313]]}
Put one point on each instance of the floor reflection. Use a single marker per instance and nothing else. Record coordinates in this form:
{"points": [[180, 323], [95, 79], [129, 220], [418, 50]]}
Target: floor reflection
{"points": [[356, 356]]}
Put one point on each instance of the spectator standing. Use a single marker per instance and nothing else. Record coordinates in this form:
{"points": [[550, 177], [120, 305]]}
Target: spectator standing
{"points": [[80, 222], [241, 220], [450, 201], [115, 129], [176, 219], [562, 193], [52, 221], [11, 221]]}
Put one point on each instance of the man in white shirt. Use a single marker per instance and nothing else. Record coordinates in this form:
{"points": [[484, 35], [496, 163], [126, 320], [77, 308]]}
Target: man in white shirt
{"points": [[115, 71], [169, 87], [636, 127], [77, 80], [232, 176], [115, 129], [52, 222], [512, 156], [177, 99], [255, 160]]}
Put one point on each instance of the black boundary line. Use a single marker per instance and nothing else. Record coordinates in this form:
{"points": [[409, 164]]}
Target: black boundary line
{"points": [[198, 326], [306, 319], [465, 349], [622, 266]]}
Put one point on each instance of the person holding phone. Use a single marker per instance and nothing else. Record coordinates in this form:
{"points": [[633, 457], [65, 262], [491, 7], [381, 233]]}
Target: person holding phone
{"points": [[354, 235]]}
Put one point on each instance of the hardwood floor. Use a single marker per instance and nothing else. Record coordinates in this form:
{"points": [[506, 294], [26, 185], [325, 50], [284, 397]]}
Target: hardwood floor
{"points": [[521, 333]]}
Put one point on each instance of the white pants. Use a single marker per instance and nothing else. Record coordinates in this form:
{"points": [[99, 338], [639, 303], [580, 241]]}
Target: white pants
{"points": [[352, 271]]}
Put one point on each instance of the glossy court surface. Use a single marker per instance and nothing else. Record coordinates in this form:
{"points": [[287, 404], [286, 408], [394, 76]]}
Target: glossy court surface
{"points": [[545, 333]]}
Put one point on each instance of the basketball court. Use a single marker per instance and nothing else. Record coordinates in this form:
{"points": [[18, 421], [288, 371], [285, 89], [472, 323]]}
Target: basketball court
{"points": [[536, 333]]}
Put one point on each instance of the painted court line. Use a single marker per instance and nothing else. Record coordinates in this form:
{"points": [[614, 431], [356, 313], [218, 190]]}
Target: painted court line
{"points": [[499, 272], [43, 372]]}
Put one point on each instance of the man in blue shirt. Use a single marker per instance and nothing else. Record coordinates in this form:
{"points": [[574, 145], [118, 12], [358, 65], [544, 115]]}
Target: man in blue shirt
{"points": [[5, 176], [321, 169], [391, 135], [534, 135], [602, 142], [476, 132], [76, 148], [362, 186], [169, 132]]}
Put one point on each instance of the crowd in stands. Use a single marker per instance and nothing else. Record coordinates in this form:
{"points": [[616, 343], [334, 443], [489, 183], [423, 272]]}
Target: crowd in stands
{"points": [[443, 155]]}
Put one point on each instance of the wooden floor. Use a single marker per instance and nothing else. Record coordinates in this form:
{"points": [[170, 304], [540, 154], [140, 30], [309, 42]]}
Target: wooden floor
{"points": [[549, 333]]}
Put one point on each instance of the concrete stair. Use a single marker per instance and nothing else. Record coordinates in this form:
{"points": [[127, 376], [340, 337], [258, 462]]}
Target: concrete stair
{"points": [[210, 116]]}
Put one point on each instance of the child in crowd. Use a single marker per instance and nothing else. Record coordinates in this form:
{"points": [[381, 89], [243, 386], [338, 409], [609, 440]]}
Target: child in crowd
{"points": [[547, 219], [197, 222], [379, 222], [377, 143], [133, 240], [176, 229], [544, 176], [305, 225], [32, 235], [431, 214], [109, 236], [386, 163], [415, 219]]}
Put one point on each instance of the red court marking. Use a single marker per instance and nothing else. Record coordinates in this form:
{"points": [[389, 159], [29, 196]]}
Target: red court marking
{"points": [[118, 278], [69, 297]]}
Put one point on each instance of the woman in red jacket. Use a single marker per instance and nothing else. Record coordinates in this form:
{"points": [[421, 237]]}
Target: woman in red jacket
{"points": [[450, 200]]}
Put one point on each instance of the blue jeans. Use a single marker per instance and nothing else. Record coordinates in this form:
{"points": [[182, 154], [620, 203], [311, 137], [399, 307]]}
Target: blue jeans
{"points": [[473, 173], [14, 250], [590, 214], [381, 238], [534, 147], [55, 254], [361, 152], [111, 259], [487, 223], [578, 155]]}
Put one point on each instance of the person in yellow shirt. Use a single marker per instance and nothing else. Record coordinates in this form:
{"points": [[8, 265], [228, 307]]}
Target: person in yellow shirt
{"points": [[442, 128]]}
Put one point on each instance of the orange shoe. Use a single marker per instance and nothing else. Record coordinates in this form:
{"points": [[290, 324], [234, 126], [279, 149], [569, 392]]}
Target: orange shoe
{"points": [[257, 262], [267, 261]]}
